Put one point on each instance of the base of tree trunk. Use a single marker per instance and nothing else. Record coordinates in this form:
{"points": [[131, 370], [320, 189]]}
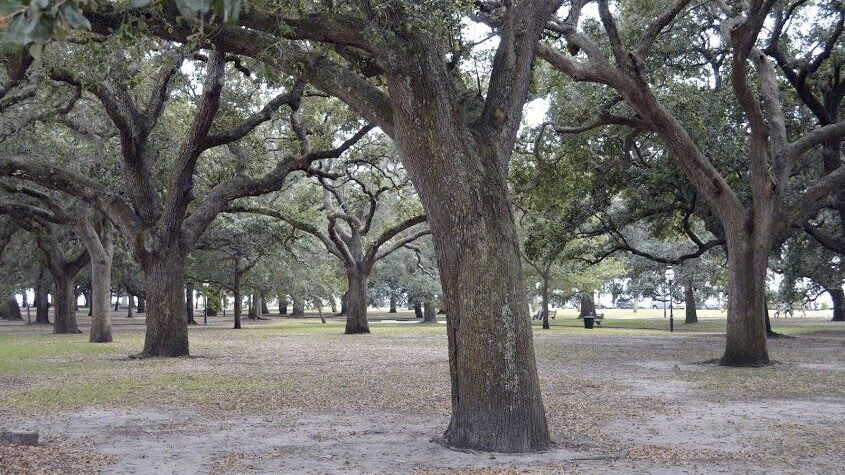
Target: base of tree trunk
{"points": [[357, 330], [754, 361]]}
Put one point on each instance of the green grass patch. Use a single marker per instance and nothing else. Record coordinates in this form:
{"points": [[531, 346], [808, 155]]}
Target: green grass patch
{"points": [[21, 354]]}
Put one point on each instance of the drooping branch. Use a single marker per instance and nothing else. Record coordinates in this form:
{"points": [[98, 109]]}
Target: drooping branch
{"points": [[826, 240], [222, 194], [307, 64], [296, 223], [814, 138], [50, 176]]}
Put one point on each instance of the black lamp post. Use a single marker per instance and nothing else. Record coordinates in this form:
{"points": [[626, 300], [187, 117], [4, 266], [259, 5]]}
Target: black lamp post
{"points": [[670, 277]]}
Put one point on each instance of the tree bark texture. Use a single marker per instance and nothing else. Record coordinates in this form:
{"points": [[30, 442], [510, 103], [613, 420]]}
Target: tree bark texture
{"points": [[746, 329], [298, 308], [689, 302], [13, 310], [588, 306], [418, 313], [356, 315], [254, 306], [462, 182], [167, 322], [237, 299], [42, 289], [429, 313], [838, 297], [263, 300], [64, 315], [101, 269]]}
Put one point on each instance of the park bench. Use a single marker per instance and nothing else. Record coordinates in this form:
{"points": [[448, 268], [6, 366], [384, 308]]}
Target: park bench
{"points": [[539, 314], [597, 317]]}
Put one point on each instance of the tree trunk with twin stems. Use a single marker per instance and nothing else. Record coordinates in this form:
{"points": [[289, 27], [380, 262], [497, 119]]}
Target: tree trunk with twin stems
{"points": [[263, 300], [254, 306], [496, 406]]}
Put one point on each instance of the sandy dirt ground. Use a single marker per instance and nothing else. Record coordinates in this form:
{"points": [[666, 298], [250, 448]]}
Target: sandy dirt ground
{"points": [[284, 396]]}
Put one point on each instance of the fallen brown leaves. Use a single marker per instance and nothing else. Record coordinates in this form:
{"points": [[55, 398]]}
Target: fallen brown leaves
{"points": [[52, 457]]}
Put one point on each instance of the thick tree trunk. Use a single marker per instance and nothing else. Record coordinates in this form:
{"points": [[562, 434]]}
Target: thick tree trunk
{"points": [[689, 302], [254, 305], [429, 312], [88, 302], [264, 309], [356, 315], [838, 297], [101, 268], [167, 322], [142, 305], [42, 288], [298, 308], [392, 308], [746, 328], [129, 300], [283, 305], [64, 315], [13, 309], [496, 400], [418, 313], [237, 300], [588, 306]]}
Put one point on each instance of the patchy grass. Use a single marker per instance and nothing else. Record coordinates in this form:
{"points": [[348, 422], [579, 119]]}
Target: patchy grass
{"points": [[630, 370]]}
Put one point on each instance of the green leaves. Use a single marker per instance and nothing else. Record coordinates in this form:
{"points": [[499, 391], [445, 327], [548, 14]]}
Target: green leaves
{"points": [[73, 17], [193, 8], [228, 9], [37, 22]]}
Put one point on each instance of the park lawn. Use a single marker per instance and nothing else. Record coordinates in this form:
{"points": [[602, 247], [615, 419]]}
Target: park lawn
{"points": [[631, 373]]}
